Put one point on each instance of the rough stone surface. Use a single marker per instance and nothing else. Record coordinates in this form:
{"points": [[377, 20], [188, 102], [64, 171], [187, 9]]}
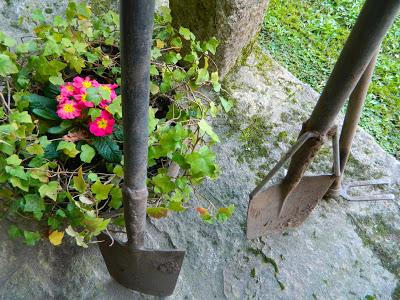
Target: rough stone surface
{"points": [[343, 251], [233, 22]]}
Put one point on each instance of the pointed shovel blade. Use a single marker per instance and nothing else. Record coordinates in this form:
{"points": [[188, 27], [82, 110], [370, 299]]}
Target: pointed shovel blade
{"points": [[264, 216], [153, 272]]}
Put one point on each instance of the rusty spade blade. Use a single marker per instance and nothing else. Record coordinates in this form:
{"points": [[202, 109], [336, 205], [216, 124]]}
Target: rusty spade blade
{"points": [[265, 216], [280, 206], [153, 272]]}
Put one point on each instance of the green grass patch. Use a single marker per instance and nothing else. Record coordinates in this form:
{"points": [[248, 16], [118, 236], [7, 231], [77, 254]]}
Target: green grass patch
{"points": [[307, 37]]}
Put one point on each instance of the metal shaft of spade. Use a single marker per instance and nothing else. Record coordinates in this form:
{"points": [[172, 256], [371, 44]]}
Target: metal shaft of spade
{"points": [[375, 19], [351, 120], [131, 264], [136, 39]]}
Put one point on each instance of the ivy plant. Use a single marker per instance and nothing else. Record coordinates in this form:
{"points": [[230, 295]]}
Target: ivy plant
{"points": [[61, 135]]}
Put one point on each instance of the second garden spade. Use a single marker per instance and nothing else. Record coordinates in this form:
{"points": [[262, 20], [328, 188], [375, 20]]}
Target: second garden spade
{"points": [[148, 271], [291, 202]]}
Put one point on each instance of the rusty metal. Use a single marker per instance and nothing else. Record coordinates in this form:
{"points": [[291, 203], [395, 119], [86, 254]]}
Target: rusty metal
{"points": [[148, 271], [275, 209], [367, 34], [349, 129]]}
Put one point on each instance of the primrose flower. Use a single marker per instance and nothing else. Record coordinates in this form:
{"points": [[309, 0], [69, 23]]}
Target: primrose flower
{"points": [[67, 90], [68, 110], [82, 102], [84, 83], [103, 125]]}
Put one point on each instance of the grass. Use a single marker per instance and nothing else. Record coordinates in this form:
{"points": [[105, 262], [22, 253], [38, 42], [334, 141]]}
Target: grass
{"points": [[307, 36]]}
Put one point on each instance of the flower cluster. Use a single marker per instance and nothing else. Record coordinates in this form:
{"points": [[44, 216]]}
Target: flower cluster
{"points": [[74, 103]]}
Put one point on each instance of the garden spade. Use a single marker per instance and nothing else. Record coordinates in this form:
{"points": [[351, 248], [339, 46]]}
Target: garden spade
{"points": [[144, 270], [277, 207], [288, 204]]}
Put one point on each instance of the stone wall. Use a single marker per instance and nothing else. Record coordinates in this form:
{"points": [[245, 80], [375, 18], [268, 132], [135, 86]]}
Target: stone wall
{"points": [[233, 22]]}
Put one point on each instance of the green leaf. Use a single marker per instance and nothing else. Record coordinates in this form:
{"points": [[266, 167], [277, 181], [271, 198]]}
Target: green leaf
{"points": [[17, 171], [176, 206], [18, 183], [227, 105], [87, 153], [35, 205], [92, 177], [205, 127], [37, 15], [186, 33], [101, 190], [119, 171], [49, 190], [95, 225], [68, 148], [116, 198], [35, 149], [61, 129], [31, 238], [212, 45], [153, 121], [202, 163], [51, 48], [215, 82], [41, 102], [108, 149], [93, 95], [225, 213], [202, 76], [14, 232], [163, 183], [21, 117], [13, 160], [56, 80], [79, 182], [115, 107]]}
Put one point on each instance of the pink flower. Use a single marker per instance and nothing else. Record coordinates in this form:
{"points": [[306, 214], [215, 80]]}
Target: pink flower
{"points": [[68, 110], [103, 125], [67, 90], [84, 83], [61, 98], [82, 102]]}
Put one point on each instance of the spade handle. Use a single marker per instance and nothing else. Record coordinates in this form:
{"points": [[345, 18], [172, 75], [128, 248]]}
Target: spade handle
{"points": [[136, 38]]}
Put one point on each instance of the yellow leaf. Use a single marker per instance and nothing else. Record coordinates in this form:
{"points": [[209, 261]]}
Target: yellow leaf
{"points": [[56, 237], [160, 44]]}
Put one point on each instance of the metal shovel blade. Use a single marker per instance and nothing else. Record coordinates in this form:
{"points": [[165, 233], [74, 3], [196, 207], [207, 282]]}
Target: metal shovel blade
{"points": [[153, 272], [265, 216]]}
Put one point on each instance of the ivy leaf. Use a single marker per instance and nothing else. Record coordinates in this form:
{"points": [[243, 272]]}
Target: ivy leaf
{"points": [[68, 148], [16, 171], [116, 198], [108, 149], [202, 163], [115, 107], [186, 33], [87, 153], [211, 45], [56, 237], [153, 121], [56, 80], [93, 95], [49, 190], [202, 76], [176, 206], [13, 160], [18, 183], [14, 232], [163, 183], [37, 15], [7, 67], [227, 105], [35, 205], [157, 212], [95, 225], [6, 41], [101, 190], [31, 237], [215, 82], [79, 182], [205, 127], [35, 149], [224, 213], [21, 117]]}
